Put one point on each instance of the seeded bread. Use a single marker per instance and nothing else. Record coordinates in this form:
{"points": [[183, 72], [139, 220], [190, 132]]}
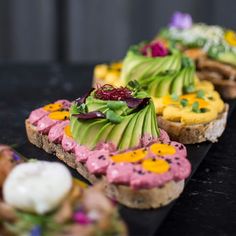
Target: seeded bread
{"points": [[190, 134], [139, 199]]}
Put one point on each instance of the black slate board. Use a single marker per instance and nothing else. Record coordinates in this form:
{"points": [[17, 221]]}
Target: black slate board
{"points": [[24, 88]]}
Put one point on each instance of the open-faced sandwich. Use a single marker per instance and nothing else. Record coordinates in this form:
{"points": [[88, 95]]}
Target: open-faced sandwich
{"points": [[212, 47], [111, 134], [40, 198], [190, 110]]}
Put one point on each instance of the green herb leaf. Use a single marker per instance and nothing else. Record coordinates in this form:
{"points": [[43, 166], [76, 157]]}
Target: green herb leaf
{"points": [[204, 110], [113, 117], [82, 108], [195, 107], [174, 97], [115, 105], [200, 94], [189, 89], [134, 84], [184, 102]]}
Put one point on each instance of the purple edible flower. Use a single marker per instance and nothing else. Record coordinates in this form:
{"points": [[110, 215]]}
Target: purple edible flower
{"points": [[81, 218], [15, 156], [90, 115], [82, 99], [155, 49], [181, 20], [135, 103], [36, 231]]}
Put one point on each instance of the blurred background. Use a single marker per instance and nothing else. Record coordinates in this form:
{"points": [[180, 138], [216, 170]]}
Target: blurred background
{"points": [[88, 31]]}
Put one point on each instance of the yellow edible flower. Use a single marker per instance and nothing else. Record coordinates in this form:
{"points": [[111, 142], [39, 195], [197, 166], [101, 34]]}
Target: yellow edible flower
{"points": [[230, 37]]}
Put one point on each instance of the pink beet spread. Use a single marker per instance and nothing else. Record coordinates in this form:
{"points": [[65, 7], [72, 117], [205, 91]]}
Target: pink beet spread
{"points": [[68, 143], [45, 124], [57, 131], [98, 161], [36, 115]]}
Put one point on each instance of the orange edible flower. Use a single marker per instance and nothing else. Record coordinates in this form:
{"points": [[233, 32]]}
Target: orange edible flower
{"points": [[158, 166], [162, 149], [53, 107], [59, 115], [131, 156], [67, 131]]}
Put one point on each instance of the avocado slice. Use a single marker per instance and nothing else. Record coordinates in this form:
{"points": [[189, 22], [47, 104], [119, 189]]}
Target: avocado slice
{"points": [[86, 137], [147, 125], [116, 133], [101, 136], [227, 57], [177, 84], [138, 128], [128, 132], [164, 85]]}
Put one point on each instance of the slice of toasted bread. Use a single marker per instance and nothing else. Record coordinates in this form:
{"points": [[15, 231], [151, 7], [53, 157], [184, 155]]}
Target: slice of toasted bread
{"points": [[197, 133], [140, 199]]}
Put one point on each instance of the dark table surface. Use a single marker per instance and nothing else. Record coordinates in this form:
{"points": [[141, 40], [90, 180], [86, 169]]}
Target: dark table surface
{"points": [[208, 204]]}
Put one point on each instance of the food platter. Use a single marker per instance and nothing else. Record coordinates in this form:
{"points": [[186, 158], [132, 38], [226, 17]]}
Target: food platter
{"points": [[140, 222]]}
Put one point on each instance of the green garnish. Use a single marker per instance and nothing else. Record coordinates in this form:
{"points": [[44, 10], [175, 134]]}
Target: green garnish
{"points": [[203, 110], [210, 98], [115, 105], [200, 94], [174, 97], [113, 117], [83, 108], [189, 89], [195, 107], [184, 102]]}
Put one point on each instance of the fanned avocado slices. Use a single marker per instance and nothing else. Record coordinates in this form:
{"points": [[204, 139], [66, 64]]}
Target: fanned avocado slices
{"points": [[158, 76], [92, 122]]}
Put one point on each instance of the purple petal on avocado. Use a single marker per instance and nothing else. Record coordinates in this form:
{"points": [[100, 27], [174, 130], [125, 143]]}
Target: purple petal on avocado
{"points": [[181, 20], [82, 99], [90, 115], [136, 102]]}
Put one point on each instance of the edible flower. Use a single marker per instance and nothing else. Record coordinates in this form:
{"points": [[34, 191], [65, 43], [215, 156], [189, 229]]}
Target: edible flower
{"points": [[181, 20], [80, 217], [154, 49], [230, 37], [36, 231]]}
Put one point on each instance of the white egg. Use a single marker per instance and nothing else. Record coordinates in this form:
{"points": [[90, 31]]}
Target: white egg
{"points": [[37, 187]]}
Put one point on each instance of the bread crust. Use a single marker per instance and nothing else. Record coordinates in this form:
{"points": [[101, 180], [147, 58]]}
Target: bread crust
{"points": [[139, 199], [190, 134], [226, 87]]}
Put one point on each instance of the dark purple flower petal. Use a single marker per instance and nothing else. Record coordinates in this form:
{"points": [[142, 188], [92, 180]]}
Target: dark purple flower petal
{"points": [[82, 99], [16, 157], [90, 115], [181, 20], [36, 231], [135, 103]]}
